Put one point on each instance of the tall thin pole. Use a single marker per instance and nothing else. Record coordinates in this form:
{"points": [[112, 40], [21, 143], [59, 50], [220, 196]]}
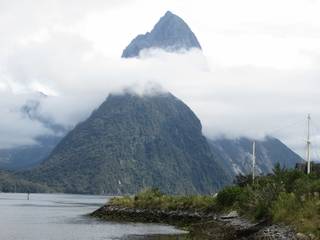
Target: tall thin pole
{"points": [[308, 147], [253, 159]]}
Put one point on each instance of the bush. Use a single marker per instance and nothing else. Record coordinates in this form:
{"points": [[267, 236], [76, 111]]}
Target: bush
{"points": [[285, 208], [229, 196], [243, 180], [125, 201], [304, 216], [257, 199], [149, 198], [308, 219]]}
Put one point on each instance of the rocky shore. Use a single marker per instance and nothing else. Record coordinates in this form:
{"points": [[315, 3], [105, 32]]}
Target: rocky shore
{"points": [[204, 226]]}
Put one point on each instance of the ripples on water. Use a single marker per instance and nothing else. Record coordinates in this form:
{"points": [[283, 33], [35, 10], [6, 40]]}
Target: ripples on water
{"points": [[63, 217]]}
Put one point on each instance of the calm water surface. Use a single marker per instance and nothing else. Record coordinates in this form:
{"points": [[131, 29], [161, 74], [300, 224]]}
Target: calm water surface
{"points": [[63, 217]]}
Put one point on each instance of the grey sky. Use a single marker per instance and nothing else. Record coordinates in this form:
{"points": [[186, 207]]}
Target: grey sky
{"points": [[259, 72]]}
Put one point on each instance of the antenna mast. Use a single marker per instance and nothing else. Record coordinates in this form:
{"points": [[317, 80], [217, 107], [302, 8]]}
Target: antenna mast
{"points": [[253, 159], [308, 158]]}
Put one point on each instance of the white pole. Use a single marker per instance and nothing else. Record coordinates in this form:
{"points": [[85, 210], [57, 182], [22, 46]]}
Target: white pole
{"points": [[308, 147], [253, 159]]}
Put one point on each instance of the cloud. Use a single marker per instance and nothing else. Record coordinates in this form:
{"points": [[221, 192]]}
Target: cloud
{"points": [[250, 81], [230, 101], [16, 129], [34, 20]]}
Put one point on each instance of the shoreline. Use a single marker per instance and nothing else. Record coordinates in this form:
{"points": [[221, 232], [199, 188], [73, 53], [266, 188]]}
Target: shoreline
{"points": [[201, 226]]}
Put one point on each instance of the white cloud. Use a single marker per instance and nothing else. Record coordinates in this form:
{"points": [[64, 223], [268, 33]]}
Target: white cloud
{"points": [[259, 74], [16, 129]]}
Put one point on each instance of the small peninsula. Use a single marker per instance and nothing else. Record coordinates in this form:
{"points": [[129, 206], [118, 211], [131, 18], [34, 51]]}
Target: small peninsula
{"points": [[282, 205]]}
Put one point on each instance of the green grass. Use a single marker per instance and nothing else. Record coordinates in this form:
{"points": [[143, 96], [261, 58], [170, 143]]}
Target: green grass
{"points": [[154, 199], [304, 215], [286, 196]]}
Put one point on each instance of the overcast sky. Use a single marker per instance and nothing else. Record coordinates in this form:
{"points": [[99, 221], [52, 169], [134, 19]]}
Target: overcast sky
{"points": [[258, 73]]}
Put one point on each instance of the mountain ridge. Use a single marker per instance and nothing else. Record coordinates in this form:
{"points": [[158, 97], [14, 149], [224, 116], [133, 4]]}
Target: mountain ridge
{"points": [[237, 154]]}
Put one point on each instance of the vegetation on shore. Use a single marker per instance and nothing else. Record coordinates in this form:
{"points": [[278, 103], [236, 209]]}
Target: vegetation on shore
{"points": [[287, 196], [154, 199]]}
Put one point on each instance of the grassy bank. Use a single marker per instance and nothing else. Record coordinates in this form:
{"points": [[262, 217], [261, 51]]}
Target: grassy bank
{"points": [[154, 199], [286, 196]]}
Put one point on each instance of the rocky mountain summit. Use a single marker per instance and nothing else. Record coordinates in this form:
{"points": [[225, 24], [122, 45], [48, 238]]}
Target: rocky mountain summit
{"points": [[171, 33]]}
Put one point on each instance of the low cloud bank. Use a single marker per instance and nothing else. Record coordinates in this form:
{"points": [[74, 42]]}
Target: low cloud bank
{"points": [[230, 101]]}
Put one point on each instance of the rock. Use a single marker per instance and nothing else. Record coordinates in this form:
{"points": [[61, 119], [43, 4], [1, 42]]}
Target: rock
{"points": [[275, 232], [228, 227], [232, 214], [312, 236], [301, 236]]}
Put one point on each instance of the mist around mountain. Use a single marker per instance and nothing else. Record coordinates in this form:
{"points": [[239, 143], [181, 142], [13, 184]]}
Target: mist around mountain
{"points": [[132, 142], [26, 156], [136, 141], [171, 33]]}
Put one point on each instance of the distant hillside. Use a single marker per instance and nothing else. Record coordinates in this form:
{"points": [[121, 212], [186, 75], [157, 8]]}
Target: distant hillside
{"points": [[22, 157], [237, 154], [11, 183], [131, 142], [171, 33]]}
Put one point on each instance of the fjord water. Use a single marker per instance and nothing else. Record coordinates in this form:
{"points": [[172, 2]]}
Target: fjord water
{"points": [[63, 217]]}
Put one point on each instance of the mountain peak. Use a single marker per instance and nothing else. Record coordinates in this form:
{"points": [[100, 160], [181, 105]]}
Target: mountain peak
{"points": [[168, 13], [171, 33]]}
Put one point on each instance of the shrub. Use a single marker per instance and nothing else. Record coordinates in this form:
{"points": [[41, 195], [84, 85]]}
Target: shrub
{"points": [[229, 196], [243, 180], [257, 199], [125, 201], [285, 208], [308, 220]]}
